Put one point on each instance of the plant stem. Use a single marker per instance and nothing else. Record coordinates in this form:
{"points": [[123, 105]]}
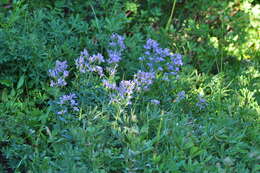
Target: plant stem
{"points": [[170, 18]]}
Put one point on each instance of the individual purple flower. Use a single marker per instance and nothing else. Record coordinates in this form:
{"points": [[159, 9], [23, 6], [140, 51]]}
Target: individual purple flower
{"points": [[154, 101], [141, 58], [201, 102], [62, 112], [121, 93], [59, 73], [180, 96], [61, 82], [153, 54], [75, 108], [60, 67], [160, 68], [84, 53]]}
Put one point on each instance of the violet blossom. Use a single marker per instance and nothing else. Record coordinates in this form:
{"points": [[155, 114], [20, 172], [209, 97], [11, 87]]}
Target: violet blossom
{"points": [[59, 73]]}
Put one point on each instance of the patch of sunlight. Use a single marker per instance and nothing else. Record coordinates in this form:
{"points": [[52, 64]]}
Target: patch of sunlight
{"points": [[244, 37]]}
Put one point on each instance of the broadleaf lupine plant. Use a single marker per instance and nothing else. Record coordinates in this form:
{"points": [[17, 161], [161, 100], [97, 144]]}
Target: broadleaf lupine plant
{"points": [[156, 60]]}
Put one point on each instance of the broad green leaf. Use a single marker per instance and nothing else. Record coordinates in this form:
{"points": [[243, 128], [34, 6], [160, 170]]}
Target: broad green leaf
{"points": [[20, 82]]}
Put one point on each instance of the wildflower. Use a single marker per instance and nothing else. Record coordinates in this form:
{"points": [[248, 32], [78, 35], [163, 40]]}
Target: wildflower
{"points": [[70, 97], [177, 59], [161, 60], [114, 56], [154, 101], [117, 40], [109, 85], [81, 62], [99, 70], [123, 92], [60, 82], [143, 80], [126, 88], [86, 63], [59, 73], [96, 58], [201, 102], [75, 108], [180, 96], [84, 53], [151, 44], [112, 70], [117, 46], [67, 102], [62, 112]]}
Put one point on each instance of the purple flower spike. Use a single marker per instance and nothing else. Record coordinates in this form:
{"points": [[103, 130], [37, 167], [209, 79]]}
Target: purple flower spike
{"points": [[117, 40], [59, 73], [114, 56], [68, 101], [151, 44], [86, 63], [143, 80], [117, 46], [126, 88]]}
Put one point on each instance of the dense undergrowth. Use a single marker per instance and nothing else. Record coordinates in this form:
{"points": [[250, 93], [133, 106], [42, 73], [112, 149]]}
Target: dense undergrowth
{"points": [[129, 86]]}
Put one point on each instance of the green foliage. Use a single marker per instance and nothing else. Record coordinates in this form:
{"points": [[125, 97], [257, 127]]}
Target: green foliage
{"points": [[219, 41]]}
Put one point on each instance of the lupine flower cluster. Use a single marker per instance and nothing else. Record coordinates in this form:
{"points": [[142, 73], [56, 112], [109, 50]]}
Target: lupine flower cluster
{"points": [[117, 46], [59, 73], [161, 60], [68, 102], [86, 63], [126, 87], [156, 59], [124, 90], [143, 80]]}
